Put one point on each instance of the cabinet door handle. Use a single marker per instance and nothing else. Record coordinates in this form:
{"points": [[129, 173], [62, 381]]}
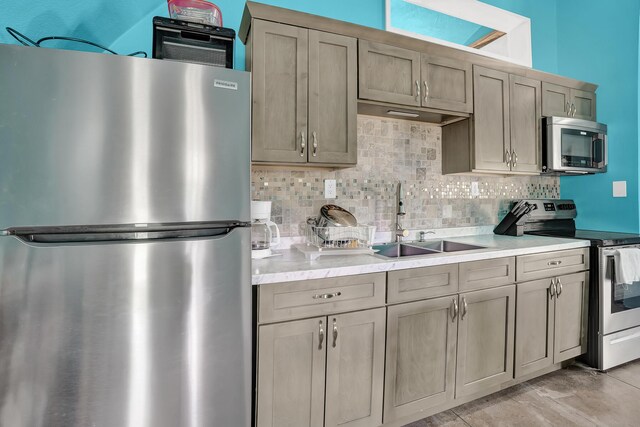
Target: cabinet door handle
{"points": [[335, 333], [514, 158], [426, 91], [327, 296], [574, 108], [552, 289], [554, 263], [454, 311], [417, 90], [567, 108], [321, 336], [507, 157], [315, 144], [464, 308], [303, 144], [559, 288]]}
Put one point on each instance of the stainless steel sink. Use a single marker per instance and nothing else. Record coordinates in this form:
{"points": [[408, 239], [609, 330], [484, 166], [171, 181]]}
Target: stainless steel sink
{"points": [[396, 250], [446, 246], [399, 250]]}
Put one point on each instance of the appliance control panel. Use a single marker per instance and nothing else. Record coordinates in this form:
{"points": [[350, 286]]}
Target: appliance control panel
{"points": [[545, 209]]}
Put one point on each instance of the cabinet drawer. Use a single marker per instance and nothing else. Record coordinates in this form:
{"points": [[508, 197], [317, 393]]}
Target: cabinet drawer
{"points": [[549, 264], [294, 300], [487, 273], [420, 283]]}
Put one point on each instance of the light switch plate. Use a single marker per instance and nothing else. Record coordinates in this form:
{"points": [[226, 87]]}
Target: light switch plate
{"points": [[329, 188], [619, 188]]}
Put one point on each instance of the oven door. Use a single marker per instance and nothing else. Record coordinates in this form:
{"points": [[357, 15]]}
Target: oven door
{"points": [[620, 303]]}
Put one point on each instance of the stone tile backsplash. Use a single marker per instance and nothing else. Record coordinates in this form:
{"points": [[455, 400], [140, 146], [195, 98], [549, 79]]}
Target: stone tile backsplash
{"points": [[390, 151]]}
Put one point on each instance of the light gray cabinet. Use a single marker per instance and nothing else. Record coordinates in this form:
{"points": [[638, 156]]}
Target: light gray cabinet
{"points": [[279, 67], [485, 339], [333, 94], [401, 76], [551, 321], [388, 73], [525, 121], [504, 135], [304, 95], [355, 369], [327, 370], [535, 320], [492, 138], [571, 316], [563, 101], [324, 371], [421, 354], [291, 373], [446, 83]]}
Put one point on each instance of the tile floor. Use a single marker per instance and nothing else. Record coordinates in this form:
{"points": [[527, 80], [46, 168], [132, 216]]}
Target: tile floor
{"points": [[575, 396]]}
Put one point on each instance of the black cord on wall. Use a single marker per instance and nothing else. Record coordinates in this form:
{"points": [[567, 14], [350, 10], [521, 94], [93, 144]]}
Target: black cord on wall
{"points": [[26, 41]]}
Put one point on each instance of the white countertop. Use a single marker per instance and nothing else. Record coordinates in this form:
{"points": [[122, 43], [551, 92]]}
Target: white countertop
{"points": [[292, 265]]}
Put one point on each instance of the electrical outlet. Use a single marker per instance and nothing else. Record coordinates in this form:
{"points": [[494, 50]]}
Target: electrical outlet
{"points": [[475, 189], [329, 188], [619, 188]]}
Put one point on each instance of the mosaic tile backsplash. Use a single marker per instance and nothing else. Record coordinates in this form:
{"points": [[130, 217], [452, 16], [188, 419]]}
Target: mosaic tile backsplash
{"points": [[392, 151]]}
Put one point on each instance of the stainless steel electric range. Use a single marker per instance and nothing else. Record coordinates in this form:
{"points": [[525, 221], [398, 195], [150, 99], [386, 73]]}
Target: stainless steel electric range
{"points": [[614, 308]]}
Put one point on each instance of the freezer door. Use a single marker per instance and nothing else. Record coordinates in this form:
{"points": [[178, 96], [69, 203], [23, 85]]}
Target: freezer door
{"points": [[144, 334], [90, 138]]}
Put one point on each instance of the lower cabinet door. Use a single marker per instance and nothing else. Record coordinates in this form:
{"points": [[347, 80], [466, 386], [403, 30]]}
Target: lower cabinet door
{"points": [[291, 373], [535, 313], [571, 316], [421, 354], [355, 369], [485, 339]]}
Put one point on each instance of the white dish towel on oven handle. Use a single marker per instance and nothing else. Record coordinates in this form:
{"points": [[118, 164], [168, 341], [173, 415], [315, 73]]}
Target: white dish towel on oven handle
{"points": [[627, 265]]}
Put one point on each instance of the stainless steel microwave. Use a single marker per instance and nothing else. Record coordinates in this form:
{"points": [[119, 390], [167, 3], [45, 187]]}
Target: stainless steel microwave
{"points": [[573, 146]]}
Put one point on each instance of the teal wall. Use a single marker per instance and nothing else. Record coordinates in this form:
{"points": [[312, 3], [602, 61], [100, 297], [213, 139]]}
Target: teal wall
{"points": [[605, 52], [99, 21]]}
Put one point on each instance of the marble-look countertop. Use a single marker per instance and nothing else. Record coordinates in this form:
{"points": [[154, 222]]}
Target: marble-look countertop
{"points": [[291, 264]]}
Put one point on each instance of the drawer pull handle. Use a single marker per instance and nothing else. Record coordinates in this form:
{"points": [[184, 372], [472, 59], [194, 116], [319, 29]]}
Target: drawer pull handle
{"points": [[321, 336], [335, 333], [327, 296], [554, 263]]}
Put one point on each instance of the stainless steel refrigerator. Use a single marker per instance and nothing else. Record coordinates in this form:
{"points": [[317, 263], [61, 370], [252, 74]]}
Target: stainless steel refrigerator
{"points": [[125, 290]]}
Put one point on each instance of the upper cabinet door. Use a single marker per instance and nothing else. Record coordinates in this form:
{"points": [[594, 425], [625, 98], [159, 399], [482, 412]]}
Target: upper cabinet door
{"points": [[389, 74], [333, 93], [491, 119], [446, 84], [556, 100], [584, 104], [525, 121], [280, 73]]}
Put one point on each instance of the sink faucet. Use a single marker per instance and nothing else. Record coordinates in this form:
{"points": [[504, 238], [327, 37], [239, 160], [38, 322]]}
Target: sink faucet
{"points": [[400, 212]]}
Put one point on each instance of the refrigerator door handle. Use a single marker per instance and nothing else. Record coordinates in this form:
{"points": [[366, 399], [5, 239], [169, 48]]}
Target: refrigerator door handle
{"points": [[141, 232]]}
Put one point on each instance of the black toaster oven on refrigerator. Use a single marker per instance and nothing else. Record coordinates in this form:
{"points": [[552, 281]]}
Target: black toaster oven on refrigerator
{"points": [[187, 41]]}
